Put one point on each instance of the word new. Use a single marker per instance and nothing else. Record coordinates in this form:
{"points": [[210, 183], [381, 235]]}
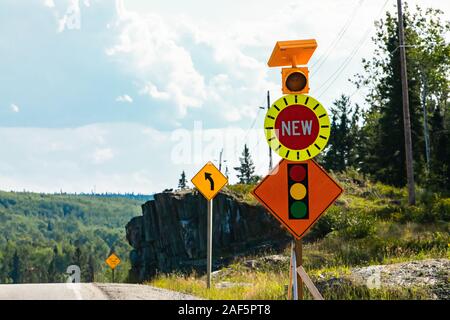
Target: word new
{"points": [[292, 128]]}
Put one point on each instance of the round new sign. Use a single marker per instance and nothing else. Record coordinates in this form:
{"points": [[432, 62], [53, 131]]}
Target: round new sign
{"points": [[297, 127]]}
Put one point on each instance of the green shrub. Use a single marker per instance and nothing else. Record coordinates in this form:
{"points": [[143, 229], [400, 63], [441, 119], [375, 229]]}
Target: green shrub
{"points": [[389, 191], [387, 212], [355, 224], [243, 192], [441, 208], [326, 224]]}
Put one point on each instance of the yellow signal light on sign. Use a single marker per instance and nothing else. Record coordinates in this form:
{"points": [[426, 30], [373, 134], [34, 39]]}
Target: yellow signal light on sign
{"points": [[295, 80], [296, 54]]}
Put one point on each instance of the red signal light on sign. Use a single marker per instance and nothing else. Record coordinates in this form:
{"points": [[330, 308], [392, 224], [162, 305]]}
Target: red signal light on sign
{"points": [[298, 200]]}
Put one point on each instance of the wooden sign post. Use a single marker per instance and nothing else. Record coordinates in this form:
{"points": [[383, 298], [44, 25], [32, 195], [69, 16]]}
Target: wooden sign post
{"points": [[295, 290]]}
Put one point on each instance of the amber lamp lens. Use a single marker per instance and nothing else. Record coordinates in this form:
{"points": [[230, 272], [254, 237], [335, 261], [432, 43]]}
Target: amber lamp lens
{"points": [[296, 81]]}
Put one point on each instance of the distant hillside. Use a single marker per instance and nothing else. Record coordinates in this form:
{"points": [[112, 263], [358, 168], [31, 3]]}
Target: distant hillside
{"points": [[43, 234]]}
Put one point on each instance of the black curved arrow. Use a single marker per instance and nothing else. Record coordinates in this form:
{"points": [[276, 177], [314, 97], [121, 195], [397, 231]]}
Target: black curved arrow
{"points": [[211, 181]]}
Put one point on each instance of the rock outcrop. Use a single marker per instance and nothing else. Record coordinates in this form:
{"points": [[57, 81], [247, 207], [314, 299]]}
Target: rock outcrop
{"points": [[171, 233], [431, 275]]}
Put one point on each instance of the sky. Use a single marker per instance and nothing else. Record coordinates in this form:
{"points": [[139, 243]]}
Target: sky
{"points": [[121, 96]]}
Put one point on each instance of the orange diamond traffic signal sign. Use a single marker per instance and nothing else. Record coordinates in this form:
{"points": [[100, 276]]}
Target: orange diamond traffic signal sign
{"points": [[297, 194], [209, 181]]}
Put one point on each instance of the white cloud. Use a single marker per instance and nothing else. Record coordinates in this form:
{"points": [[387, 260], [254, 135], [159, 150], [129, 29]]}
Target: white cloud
{"points": [[102, 155], [49, 3], [123, 157], [154, 92], [71, 18], [124, 98], [14, 108], [160, 52], [157, 59], [113, 157], [199, 57]]}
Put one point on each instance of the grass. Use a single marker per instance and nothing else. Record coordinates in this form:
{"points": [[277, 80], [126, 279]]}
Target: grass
{"points": [[263, 286], [370, 224], [271, 285]]}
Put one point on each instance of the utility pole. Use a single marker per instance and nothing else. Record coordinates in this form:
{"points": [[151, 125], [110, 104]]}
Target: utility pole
{"points": [[270, 150], [220, 160], [406, 116]]}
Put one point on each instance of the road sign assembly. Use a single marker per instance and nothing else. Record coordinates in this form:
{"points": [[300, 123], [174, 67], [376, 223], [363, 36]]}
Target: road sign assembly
{"points": [[297, 127], [209, 181], [112, 261]]}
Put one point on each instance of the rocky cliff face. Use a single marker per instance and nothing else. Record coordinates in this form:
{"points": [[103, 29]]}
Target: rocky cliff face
{"points": [[171, 233]]}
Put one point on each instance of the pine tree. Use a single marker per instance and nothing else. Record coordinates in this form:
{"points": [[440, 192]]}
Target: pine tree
{"points": [[16, 273], [90, 269], [440, 147], [53, 267], [182, 183], [341, 150], [77, 256], [382, 147], [246, 170]]}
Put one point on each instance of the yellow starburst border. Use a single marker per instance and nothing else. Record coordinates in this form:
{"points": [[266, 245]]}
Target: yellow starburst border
{"points": [[324, 127]]}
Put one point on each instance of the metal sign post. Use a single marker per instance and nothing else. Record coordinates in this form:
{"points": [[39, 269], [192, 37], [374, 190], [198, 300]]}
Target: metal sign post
{"points": [[293, 273], [209, 242], [209, 181]]}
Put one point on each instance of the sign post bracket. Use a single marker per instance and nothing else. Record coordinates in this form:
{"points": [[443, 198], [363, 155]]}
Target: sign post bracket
{"points": [[296, 283]]}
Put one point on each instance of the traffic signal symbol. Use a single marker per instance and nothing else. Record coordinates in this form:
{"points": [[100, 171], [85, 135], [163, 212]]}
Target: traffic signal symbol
{"points": [[295, 80], [298, 191]]}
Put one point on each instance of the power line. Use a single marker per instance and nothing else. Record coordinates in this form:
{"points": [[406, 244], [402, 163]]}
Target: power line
{"points": [[245, 140], [253, 124], [323, 58], [338, 72]]}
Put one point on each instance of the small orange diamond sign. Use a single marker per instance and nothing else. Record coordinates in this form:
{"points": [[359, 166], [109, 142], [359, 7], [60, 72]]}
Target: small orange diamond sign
{"points": [[297, 194], [209, 181], [112, 261]]}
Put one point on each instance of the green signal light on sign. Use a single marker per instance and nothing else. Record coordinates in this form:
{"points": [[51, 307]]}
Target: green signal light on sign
{"points": [[298, 191], [298, 210]]}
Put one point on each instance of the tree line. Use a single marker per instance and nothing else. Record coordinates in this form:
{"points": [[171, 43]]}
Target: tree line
{"points": [[371, 140], [42, 235]]}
